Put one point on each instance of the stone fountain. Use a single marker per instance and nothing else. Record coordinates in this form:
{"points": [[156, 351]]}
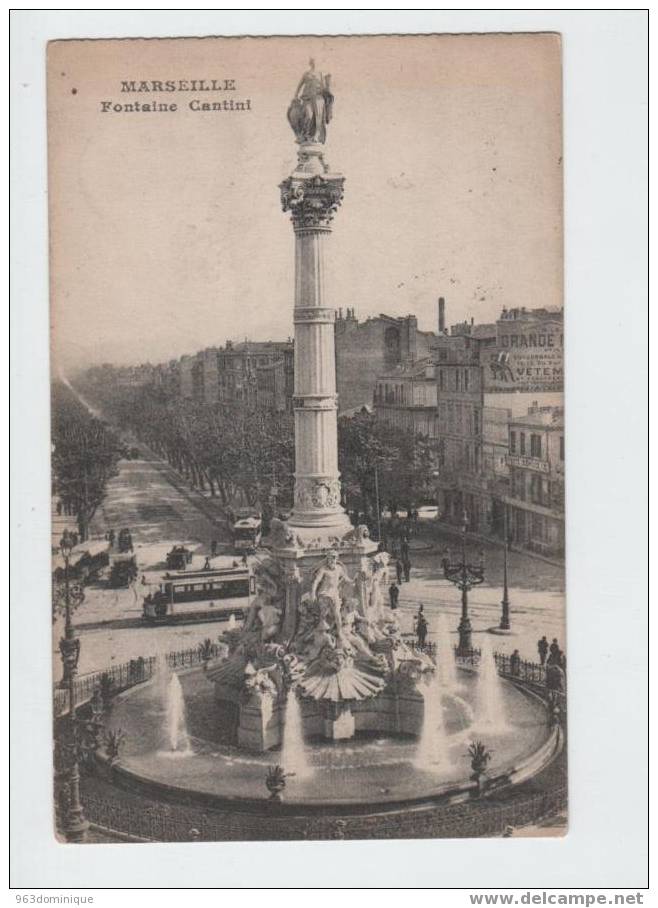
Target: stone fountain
{"points": [[321, 591], [319, 658]]}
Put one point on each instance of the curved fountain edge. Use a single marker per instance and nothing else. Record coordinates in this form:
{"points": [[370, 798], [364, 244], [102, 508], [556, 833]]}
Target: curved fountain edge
{"points": [[451, 793]]}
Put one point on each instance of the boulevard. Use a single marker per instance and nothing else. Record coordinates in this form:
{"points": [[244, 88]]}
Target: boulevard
{"points": [[161, 510]]}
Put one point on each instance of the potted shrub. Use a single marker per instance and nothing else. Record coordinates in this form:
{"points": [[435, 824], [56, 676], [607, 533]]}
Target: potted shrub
{"points": [[480, 756], [276, 781], [206, 651]]}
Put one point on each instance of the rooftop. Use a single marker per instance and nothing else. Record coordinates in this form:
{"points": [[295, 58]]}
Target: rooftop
{"points": [[541, 417]]}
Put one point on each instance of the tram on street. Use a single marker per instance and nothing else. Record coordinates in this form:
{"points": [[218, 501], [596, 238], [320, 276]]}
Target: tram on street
{"points": [[200, 595], [246, 525]]}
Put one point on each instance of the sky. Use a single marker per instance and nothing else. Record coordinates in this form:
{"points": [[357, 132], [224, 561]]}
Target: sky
{"points": [[166, 229]]}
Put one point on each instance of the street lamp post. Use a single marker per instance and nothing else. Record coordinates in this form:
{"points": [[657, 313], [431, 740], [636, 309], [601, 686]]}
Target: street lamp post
{"points": [[75, 824], [465, 575], [505, 624], [379, 508]]}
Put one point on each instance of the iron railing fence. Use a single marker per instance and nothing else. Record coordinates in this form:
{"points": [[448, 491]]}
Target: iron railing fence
{"points": [[135, 671], [127, 674], [473, 819]]}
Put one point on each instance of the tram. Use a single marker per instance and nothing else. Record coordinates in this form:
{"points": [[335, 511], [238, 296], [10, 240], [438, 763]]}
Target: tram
{"points": [[200, 595]]}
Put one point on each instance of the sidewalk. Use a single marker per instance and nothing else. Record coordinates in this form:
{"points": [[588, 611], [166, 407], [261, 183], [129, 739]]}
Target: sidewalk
{"points": [[449, 529]]}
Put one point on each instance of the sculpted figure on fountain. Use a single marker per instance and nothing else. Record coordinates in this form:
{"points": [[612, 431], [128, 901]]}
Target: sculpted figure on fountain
{"points": [[284, 536], [326, 588], [264, 616]]}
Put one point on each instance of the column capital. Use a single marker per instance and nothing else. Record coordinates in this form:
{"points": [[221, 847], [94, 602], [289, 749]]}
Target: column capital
{"points": [[312, 200]]}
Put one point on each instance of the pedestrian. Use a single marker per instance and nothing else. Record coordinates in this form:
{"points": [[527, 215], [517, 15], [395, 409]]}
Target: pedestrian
{"points": [[406, 565], [542, 649], [143, 579], [562, 660], [404, 547], [515, 663], [59, 508], [398, 570], [554, 653], [421, 630], [245, 560], [213, 548], [394, 595], [206, 564], [111, 536]]}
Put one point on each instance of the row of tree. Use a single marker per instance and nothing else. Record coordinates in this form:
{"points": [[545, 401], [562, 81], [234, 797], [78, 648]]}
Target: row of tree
{"points": [[85, 457], [242, 455]]}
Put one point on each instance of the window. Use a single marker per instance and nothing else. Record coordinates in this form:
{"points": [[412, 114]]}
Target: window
{"points": [[535, 445], [512, 442], [519, 485], [561, 447], [441, 379], [465, 379], [536, 490], [522, 442], [476, 421]]}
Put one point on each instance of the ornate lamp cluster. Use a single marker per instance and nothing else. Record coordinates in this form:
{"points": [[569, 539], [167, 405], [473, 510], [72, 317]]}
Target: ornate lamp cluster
{"points": [[465, 575]]}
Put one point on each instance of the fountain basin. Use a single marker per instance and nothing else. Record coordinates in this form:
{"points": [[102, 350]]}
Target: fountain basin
{"points": [[371, 769]]}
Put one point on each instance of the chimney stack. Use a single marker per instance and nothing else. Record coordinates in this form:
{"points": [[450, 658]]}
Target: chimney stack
{"points": [[442, 315]]}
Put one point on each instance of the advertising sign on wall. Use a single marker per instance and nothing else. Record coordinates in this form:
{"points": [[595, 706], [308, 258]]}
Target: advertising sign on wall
{"points": [[527, 357]]}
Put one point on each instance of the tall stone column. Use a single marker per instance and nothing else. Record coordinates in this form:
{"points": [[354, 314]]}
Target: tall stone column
{"points": [[312, 194]]}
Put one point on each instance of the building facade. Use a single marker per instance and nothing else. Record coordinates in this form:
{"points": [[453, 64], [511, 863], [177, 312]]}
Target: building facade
{"points": [[488, 375], [535, 499], [407, 398], [366, 350], [249, 374], [275, 383]]}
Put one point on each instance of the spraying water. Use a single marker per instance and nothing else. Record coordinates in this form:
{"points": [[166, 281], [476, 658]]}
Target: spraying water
{"points": [[161, 675], [293, 752], [445, 654], [490, 709], [176, 725], [432, 752]]}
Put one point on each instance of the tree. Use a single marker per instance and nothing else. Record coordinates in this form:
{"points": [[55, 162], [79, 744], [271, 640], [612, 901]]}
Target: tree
{"points": [[404, 464], [240, 455], [85, 457]]}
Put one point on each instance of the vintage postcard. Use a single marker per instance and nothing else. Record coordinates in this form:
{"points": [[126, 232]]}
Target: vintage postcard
{"points": [[307, 438]]}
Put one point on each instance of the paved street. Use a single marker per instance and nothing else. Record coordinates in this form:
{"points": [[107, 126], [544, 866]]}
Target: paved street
{"points": [[161, 510], [536, 593], [159, 514]]}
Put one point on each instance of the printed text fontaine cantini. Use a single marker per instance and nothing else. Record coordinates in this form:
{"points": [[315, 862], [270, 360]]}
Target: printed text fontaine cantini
{"points": [[223, 98]]}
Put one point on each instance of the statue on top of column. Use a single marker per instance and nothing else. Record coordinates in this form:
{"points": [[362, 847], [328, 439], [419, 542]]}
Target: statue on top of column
{"points": [[310, 110]]}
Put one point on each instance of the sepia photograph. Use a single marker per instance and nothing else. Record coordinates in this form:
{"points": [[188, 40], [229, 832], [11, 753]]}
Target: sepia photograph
{"points": [[308, 449]]}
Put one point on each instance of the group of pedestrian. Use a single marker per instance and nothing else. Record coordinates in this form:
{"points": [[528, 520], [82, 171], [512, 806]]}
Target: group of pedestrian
{"points": [[111, 536], [551, 654]]}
